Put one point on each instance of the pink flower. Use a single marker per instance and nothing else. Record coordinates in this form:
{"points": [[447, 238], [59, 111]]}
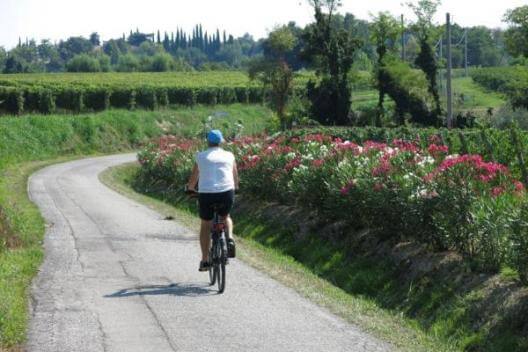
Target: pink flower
{"points": [[437, 150], [405, 145], [519, 186], [497, 191], [383, 168], [371, 145], [318, 163], [293, 164], [346, 189]]}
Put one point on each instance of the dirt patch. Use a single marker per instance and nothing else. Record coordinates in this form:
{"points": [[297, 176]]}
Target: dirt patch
{"points": [[12, 349]]}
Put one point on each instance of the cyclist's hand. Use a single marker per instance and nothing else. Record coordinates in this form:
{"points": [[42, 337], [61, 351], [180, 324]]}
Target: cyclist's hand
{"points": [[188, 190]]}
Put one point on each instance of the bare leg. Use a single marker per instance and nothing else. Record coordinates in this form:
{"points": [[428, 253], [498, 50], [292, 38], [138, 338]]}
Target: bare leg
{"points": [[229, 227], [205, 239]]}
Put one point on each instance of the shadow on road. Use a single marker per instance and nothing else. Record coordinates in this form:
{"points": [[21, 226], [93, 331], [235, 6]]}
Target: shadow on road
{"points": [[186, 290]]}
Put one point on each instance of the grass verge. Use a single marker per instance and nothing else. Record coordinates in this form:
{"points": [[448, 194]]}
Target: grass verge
{"points": [[260, 248], [22, 233]]}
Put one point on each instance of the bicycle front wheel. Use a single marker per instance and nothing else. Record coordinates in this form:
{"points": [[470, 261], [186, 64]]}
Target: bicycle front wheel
{"points": [[221, 276], [212, 275]]}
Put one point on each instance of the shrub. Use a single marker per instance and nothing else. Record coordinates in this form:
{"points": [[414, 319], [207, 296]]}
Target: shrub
{"points": [[128, 63], [83, 63]]}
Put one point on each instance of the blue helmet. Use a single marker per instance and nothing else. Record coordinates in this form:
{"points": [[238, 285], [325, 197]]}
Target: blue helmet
{"points": [[215, 137]]}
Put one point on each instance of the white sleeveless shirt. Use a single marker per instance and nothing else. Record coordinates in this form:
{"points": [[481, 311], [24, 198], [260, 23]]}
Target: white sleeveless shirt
{"points": [[216, 170]]}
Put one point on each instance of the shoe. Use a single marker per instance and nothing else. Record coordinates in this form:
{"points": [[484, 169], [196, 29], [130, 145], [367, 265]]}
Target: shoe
{"points": [[204, 266], [231, 248]]}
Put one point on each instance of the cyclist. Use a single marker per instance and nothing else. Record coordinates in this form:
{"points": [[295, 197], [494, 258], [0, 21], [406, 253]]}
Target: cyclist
{"points": [[216, 174]]}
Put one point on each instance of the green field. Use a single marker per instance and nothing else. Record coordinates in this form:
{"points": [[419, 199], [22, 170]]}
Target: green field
{"points": [[467, 96]]}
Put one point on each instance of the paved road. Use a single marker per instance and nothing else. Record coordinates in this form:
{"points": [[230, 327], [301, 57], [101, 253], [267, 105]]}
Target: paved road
{"points": [[117, 277]]}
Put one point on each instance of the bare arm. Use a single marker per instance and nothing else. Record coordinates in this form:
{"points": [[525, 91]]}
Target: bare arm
{"points": [[193, 180], [235, 176]]}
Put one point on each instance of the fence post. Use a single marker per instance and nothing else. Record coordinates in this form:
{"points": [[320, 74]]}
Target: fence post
{"points": [[449, 69]]}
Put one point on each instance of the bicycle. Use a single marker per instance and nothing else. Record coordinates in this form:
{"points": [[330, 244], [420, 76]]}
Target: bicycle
{"points": [[218, 256], [218, 252]]}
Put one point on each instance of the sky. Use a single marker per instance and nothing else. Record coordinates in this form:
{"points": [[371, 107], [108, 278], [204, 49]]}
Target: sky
{"points": [[60, 19]]}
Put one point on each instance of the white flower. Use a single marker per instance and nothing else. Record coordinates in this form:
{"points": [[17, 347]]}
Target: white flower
{"points": [[290, 156], [308, 157]]}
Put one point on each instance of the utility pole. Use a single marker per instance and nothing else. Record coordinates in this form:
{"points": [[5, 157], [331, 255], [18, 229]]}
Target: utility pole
{"points": [[403, 38], [449, 69], [466, 51], [441, 66]]}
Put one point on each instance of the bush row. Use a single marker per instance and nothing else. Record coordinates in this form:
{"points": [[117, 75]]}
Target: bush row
{"points": [[16, 100], [502, 146], [397, 190]]}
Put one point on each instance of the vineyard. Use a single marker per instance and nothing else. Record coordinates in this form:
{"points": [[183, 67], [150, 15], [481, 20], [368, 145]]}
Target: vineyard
{"points": [[47, 93], [512, 81]]}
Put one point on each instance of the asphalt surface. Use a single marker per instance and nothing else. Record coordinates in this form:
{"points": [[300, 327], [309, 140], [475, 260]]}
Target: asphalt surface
{"points": [[118, 277]]}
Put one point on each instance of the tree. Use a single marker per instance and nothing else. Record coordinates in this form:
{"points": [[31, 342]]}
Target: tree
{"points": [[50, 57], [426, 33], [95, 39], [517, 35], [74, 46], [274, 72], [137, 38], [385, 30], [15, 64], [3, 58], [330, 49]]}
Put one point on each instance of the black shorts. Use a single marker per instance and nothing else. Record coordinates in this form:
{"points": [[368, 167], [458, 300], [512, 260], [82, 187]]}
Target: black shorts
{"points": [[225, 200]]}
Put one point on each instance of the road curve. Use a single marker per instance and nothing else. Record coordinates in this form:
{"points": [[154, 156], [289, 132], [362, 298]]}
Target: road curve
{"points": [[118, 277]]}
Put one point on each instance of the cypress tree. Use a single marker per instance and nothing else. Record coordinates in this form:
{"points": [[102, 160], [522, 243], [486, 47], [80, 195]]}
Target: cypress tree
{"points": [[166, 42], [217, 41], [158, 37], [225, 39], [206, 44], [201, 44]]}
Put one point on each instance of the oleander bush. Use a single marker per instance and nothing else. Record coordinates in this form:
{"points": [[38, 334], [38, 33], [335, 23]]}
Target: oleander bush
{"points": [[405, 189]]}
